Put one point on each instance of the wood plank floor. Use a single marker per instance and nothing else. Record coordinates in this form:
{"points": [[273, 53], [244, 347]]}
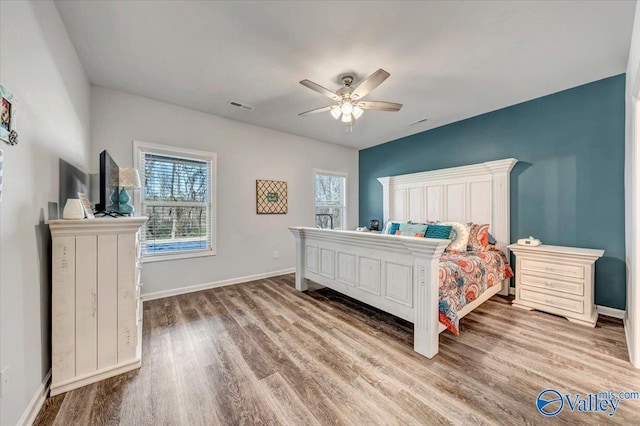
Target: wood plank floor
{"points": [[263, 353]]}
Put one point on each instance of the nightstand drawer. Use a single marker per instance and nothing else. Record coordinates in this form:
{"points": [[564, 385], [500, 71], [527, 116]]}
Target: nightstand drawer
{"points": [[576, 306], [570, 287], [566, 269]]}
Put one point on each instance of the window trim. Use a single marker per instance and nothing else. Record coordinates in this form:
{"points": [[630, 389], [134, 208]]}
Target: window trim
{"points": [[344, 175], [175, 151]]}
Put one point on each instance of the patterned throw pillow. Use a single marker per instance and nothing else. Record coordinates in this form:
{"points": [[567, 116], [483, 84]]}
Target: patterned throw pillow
{"points": [[459, 236], [411, 230], [393, 228], [438, 231], [478, 237]]}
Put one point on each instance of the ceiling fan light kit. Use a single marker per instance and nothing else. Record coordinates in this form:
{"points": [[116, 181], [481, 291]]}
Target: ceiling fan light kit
{"points": [[349, 107], [346, 108]]}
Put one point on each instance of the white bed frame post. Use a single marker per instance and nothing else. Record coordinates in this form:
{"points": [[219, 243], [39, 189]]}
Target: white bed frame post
{"points": [[386, 199], [426, 325], [302, 283], [501, 222]]}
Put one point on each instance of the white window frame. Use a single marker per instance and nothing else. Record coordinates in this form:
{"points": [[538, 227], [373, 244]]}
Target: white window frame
{"points": [[343, 207], [174, 151]]}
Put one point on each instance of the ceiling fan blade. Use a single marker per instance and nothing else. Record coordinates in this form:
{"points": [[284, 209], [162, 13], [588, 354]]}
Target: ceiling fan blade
{"points": [[369, 83], [380, 105], [322, 90], [313, 111]]}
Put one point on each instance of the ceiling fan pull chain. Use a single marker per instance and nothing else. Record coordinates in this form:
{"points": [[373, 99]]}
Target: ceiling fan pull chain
{"points": [[348, 127]]}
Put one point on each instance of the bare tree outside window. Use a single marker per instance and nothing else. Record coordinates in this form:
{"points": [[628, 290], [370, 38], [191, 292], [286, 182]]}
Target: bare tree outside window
{"points": [[177, 198], [330, 200], [181, 187]]}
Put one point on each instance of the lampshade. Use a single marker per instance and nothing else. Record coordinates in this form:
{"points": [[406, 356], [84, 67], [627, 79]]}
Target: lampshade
{"points": [[357, 112], [346, 108], [129, 178], [336, 112], [346, 118]]}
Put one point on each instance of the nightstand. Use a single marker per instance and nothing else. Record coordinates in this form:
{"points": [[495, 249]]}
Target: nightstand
{"points": [[558, 280]]}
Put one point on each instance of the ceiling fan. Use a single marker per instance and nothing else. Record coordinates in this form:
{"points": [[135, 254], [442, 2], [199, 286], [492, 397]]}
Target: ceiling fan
{"points": [[349, 106]]}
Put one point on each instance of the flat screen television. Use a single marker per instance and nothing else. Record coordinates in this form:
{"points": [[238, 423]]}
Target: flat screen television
{"points": [[109, 172]]}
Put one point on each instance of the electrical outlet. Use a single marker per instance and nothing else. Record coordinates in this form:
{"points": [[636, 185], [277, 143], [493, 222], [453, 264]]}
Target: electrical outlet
{"points": [[276, 255], [4, 381]]}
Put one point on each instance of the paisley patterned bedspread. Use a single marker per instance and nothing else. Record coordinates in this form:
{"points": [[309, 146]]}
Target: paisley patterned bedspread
{"points": [[464, 276]]}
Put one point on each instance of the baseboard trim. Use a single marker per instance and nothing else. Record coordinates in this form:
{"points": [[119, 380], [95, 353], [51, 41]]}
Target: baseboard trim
{"points": [[611, 312], [199, 287], [32, 410], [629, 347], [94, 376]]}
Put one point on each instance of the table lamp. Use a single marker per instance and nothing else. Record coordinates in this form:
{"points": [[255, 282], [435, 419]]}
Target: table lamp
{"points": [[128, 179]]}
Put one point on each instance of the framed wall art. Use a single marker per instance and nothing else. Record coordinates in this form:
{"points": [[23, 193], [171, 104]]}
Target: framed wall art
{"points": [[271, 197], [86, 206], [7, 117]]}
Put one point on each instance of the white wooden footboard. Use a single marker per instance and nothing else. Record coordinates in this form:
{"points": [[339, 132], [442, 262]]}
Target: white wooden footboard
{"points": [[396, 274]]}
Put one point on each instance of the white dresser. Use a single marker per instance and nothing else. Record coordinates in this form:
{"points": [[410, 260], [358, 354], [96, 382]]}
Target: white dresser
{"points": [[558, 280], [96, 307]]}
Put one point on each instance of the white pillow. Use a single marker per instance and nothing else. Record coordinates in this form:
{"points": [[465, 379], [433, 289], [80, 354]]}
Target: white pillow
{"points": [[459, 236]]}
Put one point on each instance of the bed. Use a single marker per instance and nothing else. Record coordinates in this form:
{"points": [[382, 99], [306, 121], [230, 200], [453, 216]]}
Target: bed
{"points": [[401, 274]]}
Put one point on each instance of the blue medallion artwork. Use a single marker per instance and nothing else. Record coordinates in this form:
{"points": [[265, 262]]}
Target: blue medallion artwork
{"points": [[568, 185]]}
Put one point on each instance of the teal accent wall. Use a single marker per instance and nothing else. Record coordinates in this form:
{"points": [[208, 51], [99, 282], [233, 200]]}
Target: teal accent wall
{"points": [[568, 185]]}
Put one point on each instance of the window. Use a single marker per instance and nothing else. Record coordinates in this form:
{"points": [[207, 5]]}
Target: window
{"points": [[178, 197], [331, 200]]}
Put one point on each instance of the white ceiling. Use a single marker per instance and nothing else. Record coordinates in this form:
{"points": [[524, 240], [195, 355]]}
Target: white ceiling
{"points": [[448, 60]]}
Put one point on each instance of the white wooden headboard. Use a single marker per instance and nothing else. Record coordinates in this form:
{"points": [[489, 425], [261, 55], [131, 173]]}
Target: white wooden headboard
{"points": [[477, 193]]}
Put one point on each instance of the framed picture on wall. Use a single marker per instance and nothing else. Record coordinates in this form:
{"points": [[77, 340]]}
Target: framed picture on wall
{"points": [[86, 206], [7, 114], [271, 197]]}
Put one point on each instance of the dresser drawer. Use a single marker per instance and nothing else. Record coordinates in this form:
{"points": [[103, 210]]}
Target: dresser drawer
{"points": [[576, 306], [555, 284], [566, 269]]}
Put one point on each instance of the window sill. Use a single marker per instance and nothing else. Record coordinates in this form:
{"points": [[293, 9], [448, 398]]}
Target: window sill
{"points": [[177, 256]]}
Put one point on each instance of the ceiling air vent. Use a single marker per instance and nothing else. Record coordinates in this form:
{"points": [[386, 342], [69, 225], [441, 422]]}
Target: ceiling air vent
{"points": [[240, 105], [418, 122]]}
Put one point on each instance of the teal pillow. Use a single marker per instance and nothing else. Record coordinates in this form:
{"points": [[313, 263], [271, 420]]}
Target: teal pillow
{"points": [[393, 228], [440, 232], [412, 230]]}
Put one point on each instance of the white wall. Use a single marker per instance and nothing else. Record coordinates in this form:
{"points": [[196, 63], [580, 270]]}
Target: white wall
{"points": [[40, 67], [246, 241], [632, 201]]}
